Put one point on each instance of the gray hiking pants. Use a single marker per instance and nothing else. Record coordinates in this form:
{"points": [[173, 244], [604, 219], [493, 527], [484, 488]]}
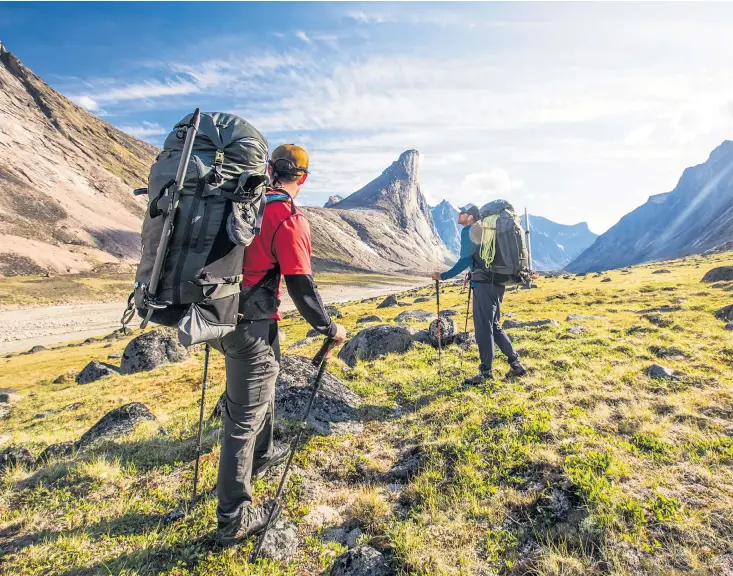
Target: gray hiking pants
{"points": [[252, 358], [487, 299]]}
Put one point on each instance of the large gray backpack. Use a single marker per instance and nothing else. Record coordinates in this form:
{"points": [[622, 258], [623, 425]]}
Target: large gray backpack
{"points": [[501, 248], [219, 212]]}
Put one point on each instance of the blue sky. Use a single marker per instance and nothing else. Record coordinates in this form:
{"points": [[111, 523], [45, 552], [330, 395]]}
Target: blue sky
{"points": [[579, 111]]}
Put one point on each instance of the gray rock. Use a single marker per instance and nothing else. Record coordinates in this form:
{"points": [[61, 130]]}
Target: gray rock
{"points": [[447, 331], [406, 467], [361, 561], [337, 535], [114, 355], [508, 324], [320, 516], [333, 312], [577, 330], [352, 537], [302, 343], [667, 352], [368, 319], [16, 455], [720, 274], [117, 422], [465, 340], [8, 397], [371, 343], [414, 315], [421, 336], [389, 302], [151, 350], [281, 542], [658, 320], [606, 280], [448, 313], [659, 372], [335, 403], [729, 326], [94, 371], [662, 271], [36, 349], [663, 308], [725, 313], [581, 317], [422, 299], [59, 450]]}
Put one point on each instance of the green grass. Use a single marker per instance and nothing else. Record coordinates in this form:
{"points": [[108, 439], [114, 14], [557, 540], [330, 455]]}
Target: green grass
{"points": [[585, 466]]}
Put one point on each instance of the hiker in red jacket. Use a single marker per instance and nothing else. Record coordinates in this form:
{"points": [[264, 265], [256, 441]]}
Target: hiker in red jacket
{"points": [[252, 351]]}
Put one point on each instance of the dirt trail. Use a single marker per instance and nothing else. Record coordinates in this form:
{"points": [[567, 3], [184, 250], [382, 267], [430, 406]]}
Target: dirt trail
{"points": [[24, 328]]}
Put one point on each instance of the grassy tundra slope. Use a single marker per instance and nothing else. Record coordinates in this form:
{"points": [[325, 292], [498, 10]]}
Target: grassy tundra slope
{"points": [[586, 466]]}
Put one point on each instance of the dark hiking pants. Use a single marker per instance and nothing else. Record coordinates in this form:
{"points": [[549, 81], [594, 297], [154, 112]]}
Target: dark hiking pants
{"points": [[487, 299], [252, 357]]}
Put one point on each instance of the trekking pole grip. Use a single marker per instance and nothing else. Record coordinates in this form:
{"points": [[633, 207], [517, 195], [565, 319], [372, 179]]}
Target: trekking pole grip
{"points": [[326, 347]]}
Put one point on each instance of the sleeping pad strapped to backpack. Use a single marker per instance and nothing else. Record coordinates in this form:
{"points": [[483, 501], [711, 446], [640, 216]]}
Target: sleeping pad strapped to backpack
{"points": [[219, 212]]}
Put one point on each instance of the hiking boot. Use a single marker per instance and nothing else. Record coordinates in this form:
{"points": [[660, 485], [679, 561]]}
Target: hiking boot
{"points": [[479, 379], [279, 455], [517, 369], [253, 521]]}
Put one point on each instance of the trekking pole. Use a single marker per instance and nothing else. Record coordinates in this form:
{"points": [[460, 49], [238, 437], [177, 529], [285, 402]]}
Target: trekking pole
{"points": [[465, 326], [320, 360], [204, 384], [150, 291], [439, 326], [529, 247]]}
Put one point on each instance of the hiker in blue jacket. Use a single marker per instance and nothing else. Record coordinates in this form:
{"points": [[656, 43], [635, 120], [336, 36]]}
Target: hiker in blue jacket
{"points": [[488, 295]]}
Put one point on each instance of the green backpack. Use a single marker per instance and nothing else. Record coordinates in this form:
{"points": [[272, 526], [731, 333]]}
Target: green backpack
{"points": [[502, 248]]}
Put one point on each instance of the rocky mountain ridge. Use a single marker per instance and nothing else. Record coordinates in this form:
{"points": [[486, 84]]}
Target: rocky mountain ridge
{"points": [[694, 217], [65, 180]]}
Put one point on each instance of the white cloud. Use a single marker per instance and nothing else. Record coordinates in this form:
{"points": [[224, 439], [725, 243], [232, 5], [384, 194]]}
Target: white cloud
{"points": [[86, 102], [640, 135], [371, 17], [144, 129], [301, 35]]}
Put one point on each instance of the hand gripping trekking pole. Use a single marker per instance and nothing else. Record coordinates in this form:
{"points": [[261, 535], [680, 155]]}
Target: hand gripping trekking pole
{"points": [[439, 327], [152, 288], [320, 360], [204, 384]]}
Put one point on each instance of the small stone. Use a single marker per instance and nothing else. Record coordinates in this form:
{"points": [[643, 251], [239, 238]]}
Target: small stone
{"points": [[321, 516], [508, 324], [658, 320], [577, 330], [94, 371], [59, 450], [361, 561], [422, 299], [448, 313], [352, 537], [333, 312], [606, 280], [281, 541], [465, 340], [368, 319], [581, 317], [417, 315], [662, 271], [337, 535], [114, 355], [36, 349], [16, 455], [371, 343], [729, 326], [659, 372], [388, 302]]}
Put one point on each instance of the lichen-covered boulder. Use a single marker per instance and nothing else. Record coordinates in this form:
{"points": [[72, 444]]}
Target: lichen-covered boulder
{"points": [[719, 274], [416, 315], [369, 319], [389, 302], [371, 343], [117, 422], [151, 350], [16, 455], [447, 331], [94, 371]]}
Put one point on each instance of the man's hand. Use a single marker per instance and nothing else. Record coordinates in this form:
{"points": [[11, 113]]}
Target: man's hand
{"points": [[340, 334], [436, 276]]}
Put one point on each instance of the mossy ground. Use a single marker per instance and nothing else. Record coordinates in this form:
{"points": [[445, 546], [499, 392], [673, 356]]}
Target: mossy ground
{"points": [[585, 466]]}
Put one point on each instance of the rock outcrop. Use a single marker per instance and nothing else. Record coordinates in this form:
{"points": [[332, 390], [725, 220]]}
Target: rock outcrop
{"points": [[94, 371], [332, 201], [116, 423]]}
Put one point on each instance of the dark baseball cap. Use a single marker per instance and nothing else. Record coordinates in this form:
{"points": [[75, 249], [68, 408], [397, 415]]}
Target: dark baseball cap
{"points": [[470, 209]]}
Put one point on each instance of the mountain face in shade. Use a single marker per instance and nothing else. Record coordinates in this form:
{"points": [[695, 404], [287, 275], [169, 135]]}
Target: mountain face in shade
{"points": [[65, 180], [555, 245], [387, 225], [445, 217], [332, 201], [694, 217]]}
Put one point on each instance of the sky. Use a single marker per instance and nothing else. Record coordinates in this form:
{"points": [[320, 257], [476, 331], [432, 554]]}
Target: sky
{"points": [[579, 111]]}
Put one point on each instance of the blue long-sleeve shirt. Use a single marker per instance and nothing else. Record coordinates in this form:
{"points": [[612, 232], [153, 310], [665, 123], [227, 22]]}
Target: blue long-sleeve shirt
{"points": [[468, 246]]}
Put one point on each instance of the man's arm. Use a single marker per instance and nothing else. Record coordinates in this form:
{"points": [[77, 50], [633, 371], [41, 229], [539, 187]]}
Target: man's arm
{"points": [[307, 300], [292, 248], [466, 256]]}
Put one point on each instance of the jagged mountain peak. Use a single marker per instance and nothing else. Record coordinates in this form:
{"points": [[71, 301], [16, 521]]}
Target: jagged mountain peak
{"points": [[409, 164]]}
